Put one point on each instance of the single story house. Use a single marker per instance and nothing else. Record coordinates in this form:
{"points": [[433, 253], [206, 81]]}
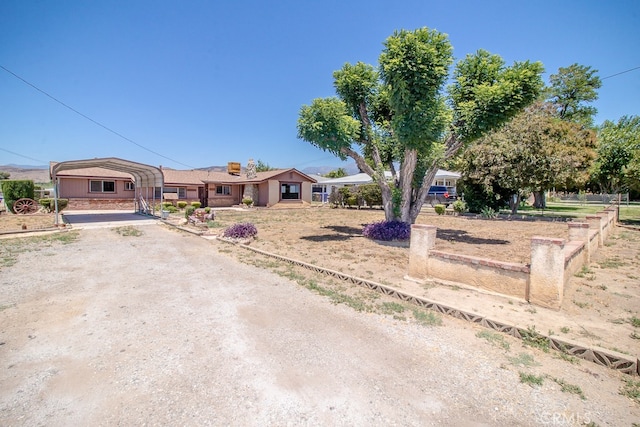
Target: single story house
{"points": [[109, 185], [324, 186]]}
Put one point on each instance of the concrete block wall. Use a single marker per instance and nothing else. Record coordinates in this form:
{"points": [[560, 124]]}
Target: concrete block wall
{"points": [[553, 262]]}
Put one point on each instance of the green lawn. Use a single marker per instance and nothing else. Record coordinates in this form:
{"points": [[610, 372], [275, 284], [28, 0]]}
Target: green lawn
{"points": [[628, 214]]}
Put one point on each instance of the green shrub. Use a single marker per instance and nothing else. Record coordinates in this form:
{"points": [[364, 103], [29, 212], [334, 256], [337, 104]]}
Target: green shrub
{"points": [[182, 204], [196, 204], [488, 213], [459, 206], [439, 209], [189, 211], [207, 209], [371, 194], [247, 201], [170, 208], [16, 189], [166, 204], [50, 204]]}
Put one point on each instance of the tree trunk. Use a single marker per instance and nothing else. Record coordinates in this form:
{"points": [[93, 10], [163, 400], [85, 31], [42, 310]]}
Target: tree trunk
{"points": [[540, 202], [514, 203], [407, 168], [385, 188]]}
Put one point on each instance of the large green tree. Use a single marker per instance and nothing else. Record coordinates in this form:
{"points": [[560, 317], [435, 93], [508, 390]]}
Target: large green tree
{"points": [[534, 152], [336, 173], [617, 167], [401, 113], [571, 90]]}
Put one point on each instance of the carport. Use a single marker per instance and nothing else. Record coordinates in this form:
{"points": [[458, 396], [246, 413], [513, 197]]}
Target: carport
{"points": [[145, 177]]}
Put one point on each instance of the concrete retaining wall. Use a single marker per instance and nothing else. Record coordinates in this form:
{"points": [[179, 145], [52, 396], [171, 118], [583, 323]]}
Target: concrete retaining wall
{"points": [[542, 282]]}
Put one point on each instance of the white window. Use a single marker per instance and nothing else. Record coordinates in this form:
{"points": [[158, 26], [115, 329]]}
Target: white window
{"points": [[129, 186], [180, 191], [290, 191], [102, 186], [223, 190]]}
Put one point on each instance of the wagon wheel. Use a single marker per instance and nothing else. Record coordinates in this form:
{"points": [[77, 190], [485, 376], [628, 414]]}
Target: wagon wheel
{"points": [[25, 206]]}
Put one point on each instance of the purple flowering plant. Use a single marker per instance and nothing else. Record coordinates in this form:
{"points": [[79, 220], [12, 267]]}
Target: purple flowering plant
{"points": [[387, 230], [242, 230]]}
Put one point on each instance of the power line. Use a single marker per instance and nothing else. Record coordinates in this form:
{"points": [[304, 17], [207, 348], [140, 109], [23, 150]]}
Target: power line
{"points": [[21, 155], [621, 72], [92, 120]]}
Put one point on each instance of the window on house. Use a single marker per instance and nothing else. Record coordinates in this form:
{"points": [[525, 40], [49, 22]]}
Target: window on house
{"points": [[102, 186], [290, 191], [180, 191], [223, 190], [129, 186]]}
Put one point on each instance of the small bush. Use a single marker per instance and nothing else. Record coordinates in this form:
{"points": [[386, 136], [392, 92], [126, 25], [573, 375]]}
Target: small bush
{"points": [[189, 211], [196, 205], [459, 206], [247, 201], [241, 231], [207, 209], [439, 209], [50, 204], [488, 213], [166, 205], [387, 230], [182, 204], [171, 209]]}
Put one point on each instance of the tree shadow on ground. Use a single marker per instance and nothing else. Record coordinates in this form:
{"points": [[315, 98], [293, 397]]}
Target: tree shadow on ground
{"points": [[464, 237], [344, 233]]}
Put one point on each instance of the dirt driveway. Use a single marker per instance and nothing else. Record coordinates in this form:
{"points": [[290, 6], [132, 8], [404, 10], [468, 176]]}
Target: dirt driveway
{"points": [[149, 325]]}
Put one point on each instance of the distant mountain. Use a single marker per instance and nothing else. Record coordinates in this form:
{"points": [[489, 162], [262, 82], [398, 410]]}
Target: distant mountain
{"points": [[28, 167], [37, 174]]}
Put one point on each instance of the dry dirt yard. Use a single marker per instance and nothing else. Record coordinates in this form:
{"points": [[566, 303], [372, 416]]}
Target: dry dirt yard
{"points": [[149, 324], [600, 306]]}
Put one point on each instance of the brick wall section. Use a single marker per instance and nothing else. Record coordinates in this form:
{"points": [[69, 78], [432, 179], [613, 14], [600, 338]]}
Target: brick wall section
{"points": [[101, 204]]}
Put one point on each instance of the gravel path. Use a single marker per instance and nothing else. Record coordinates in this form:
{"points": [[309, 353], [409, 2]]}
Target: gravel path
{"points": [[162, 329]]}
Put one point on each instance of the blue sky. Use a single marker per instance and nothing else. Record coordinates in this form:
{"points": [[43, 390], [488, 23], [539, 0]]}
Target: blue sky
{"points": [[201, 83]]}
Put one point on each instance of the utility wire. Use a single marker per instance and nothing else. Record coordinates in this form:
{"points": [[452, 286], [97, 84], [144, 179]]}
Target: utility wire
{"points": [[22, 155], [91, 120], [621, 72]]}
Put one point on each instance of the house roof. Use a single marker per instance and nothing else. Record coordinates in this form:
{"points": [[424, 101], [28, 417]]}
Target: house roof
{"points": [[225, 178], [363, 178], [447, 174], [171, 177], [143, 175]]}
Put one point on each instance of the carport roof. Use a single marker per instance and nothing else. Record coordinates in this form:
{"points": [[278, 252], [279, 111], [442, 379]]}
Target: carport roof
{"points": [[143, 175]]}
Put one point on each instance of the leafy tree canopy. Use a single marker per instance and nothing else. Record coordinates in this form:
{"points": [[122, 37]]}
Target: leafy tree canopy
{"points": [[618, 165], [571, 89], [263, 167], [337, 173], [536, 151], [401, 113]]}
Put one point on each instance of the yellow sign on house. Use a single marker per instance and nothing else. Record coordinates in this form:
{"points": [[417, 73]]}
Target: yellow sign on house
{"points": [[233, 168]]}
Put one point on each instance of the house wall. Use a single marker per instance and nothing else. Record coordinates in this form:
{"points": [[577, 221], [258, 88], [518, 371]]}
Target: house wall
{"points": [[306, 192], [273, 192], [553, 263], [263, 194], [76, 190], [220, 201], [71, 188]]}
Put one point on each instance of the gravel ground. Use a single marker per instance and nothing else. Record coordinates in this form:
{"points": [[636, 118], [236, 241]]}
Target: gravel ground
{"points": [[165, 329]]}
